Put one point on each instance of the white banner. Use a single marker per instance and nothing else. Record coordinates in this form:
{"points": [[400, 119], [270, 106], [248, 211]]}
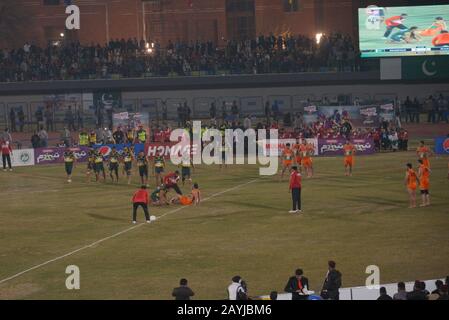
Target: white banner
{"points": [[22, 157]]}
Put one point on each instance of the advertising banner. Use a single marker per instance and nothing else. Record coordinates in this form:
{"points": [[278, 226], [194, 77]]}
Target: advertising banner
{"points": [[106, 149], [273, 148], [442, 145], [169, 148], [387, 112], [22, 157], [56, 155], [334, 147]]}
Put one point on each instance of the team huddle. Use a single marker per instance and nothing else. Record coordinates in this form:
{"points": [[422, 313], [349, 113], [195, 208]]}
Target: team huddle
{"points": [[302, 155]]}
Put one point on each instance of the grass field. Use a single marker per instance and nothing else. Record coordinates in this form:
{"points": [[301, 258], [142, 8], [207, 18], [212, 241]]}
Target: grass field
{"points": [[421, 17], [243, 228]]}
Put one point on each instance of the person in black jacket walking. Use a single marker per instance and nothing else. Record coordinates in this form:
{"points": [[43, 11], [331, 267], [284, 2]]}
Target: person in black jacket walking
{"points": [[297, 285], [332, 283], [183, 292]]}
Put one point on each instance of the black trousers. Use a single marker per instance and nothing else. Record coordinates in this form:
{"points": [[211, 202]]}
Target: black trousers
{"points": [[145, 210], [6, 158], [296, 198]]}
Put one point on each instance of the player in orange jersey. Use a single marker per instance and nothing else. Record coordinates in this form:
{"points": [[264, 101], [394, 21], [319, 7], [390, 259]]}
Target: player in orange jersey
{"points": [[411, 182], [424, 153], [296, 149], [193, 198], [424, 183], [349, 152], [287, 159], [306, 151]]}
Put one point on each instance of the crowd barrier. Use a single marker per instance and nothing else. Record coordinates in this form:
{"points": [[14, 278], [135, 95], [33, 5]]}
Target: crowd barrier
{"points": [[55, 155]]}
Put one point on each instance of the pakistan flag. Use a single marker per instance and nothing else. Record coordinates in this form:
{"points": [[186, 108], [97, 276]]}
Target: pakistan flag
{"points": [[418, 68]]}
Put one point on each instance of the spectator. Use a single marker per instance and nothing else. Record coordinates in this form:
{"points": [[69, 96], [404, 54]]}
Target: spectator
{"points": [[49, 119], [6, 151], [267, 112], [417, 293], [332, 283], [247, 123], [6, 136], [183, 292], [21, 116], [234, 111], [35, 140], [383, 294], [66, 137], [43, 137], [439, 285], [236, 290], [119, 136], [79, 119], [401, 294], [223, 111], [39, 117], [297, 285], [12, 120], [444, 293], [70, 119], [212, 111], [164, 112]]}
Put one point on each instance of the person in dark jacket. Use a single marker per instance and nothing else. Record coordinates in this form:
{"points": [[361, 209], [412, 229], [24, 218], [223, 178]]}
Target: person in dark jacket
{"points": [[418, 292], [383, 294], [183, 292], [297, 285], [332, 283]]}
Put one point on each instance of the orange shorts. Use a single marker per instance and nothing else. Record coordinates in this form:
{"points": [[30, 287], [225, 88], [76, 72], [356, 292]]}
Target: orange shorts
{"points": [[298, 160], [288, 163], [430, 32], [185, 201], [424, 184], [349, 161], [307, 162], [412, 186]]}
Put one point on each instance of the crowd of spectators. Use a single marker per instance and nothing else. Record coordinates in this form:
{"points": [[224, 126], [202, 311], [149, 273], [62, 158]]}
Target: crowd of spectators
{"points": [[435, 106], [300, 289], [132, 58]]}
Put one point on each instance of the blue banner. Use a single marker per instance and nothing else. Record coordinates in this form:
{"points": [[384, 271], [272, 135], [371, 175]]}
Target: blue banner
{"points": [[106, 149], [442, 145]]}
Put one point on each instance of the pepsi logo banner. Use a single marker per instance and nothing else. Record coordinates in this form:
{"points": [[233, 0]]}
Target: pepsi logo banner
{"points": [[442, 145], [106, 149]]}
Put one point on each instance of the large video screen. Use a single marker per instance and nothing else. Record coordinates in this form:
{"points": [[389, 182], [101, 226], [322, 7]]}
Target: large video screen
{"points": [[404, 31]]}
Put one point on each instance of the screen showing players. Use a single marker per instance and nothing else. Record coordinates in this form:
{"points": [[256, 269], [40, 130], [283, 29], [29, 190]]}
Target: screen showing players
{"points": [[404, 31]]}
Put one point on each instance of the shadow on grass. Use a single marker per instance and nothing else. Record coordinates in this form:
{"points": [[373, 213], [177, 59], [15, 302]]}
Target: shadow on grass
{"points": [[101, 217]]}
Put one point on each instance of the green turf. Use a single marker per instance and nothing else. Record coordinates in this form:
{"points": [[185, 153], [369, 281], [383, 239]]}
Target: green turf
{"points": [[421, 17], [357, 221]]}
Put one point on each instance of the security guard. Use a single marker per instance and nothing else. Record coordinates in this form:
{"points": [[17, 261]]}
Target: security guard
{"points": [[83, 138], [141, 135]]}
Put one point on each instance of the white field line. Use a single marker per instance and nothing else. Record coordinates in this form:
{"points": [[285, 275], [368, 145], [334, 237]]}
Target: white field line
{"points": [[117, 234]]}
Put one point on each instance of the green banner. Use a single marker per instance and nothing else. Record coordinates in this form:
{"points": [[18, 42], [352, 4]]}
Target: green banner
{"points": [[420, 68]]}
